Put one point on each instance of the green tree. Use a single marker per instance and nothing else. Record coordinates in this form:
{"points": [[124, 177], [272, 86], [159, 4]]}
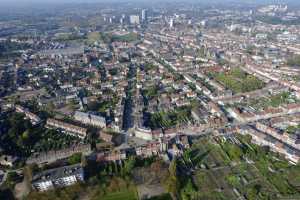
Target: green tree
{"points": [[172, 184], [75, 158]]}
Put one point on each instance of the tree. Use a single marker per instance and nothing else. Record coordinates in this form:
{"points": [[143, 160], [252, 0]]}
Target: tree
{"points": [[189, 190], [172, 184], [128, 165], [75, 158]]}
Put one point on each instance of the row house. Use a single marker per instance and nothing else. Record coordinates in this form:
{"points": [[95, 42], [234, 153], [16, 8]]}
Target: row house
{"points": [[150, 149], [52, 156], [290, 139], [90, 119], [68, 128], [115, 155], [275, 145]]}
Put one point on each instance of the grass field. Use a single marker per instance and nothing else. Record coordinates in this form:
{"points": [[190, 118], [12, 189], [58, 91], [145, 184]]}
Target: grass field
{"points": [[269, 101], [231, 177], [170, 118], [124, 195], [238, 81]]}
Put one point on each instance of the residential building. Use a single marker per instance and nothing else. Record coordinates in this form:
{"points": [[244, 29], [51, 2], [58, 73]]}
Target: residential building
{"points": [[68, 128], [134, 19], [58, 177], [90, 119]]}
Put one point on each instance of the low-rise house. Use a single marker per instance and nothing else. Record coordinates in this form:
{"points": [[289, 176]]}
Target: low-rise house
{"points": [[261, 138], [106, 137], [58, 177], [111, 156], [150, 149]]}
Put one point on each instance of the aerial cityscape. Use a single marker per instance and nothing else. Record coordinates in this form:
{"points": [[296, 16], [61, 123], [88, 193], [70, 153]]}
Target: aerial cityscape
{"points": [[150, 100]]}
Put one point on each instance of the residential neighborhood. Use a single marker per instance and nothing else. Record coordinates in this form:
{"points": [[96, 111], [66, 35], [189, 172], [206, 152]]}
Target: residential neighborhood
{"points": [[150, 100]]}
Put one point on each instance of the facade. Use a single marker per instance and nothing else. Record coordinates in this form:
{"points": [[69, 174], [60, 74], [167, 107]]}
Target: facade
{"points": [[150, 149], [68, 128], [144, 15], [106, 137], [289, 152], [90, 119], [171, 23], [58, 177], [32, 117], [111, 156], [134, 19], [52, 156], [145, 134]]}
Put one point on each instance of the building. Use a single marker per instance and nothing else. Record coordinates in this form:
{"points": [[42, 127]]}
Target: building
{"points": [[171, 23], [7, 160], [115, 155], [144, 15], [106, 137], [90, 119], [52, 156], [134, 19], [34, 119], [143, 133], [150, 149], [68, 128], [58, 177]]}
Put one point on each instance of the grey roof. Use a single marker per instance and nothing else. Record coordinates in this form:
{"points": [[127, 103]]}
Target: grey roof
{"points": [[57, 173]]}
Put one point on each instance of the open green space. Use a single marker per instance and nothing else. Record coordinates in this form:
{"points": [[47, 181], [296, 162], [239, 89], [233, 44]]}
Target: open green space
{"points": [[294, 61], [274, 100], [130, 37], [129, 194], [107, 181], [238, 81], [21, 138], [293, 129], [223, 171], [109, 37], [172, 118]]}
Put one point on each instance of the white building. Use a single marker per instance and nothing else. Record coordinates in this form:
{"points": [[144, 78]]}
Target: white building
{"points": [[171, 23], [134, 19], [58, 177], [144, 15], [90, 119], [143, 133]]}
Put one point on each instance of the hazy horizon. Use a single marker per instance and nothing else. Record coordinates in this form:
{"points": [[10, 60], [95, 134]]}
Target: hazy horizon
{"points": [[12, 6], [99, 1]]}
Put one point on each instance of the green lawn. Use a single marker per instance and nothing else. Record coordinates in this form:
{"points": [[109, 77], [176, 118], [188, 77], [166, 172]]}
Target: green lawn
{"points": [[171, 118], [130, 37], [238, 81], [122, 195], [266, 178]]}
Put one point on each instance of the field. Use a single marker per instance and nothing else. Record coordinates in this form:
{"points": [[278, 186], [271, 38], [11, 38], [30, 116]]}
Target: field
{"points": [[130, 37], [124, 195], [274, 100], [235, 168], [238, 81], [170, 118]]}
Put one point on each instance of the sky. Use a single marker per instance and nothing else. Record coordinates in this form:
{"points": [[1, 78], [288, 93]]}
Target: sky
{"points": [[82, 1], [15, 2]]}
